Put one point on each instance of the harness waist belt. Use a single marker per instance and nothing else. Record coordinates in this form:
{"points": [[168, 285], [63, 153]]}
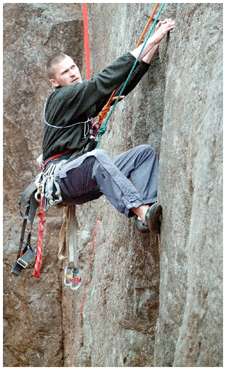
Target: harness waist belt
{"points": [[55, 156]]}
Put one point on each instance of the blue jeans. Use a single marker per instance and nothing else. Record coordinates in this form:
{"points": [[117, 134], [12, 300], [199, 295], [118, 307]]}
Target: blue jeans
{"points": [[128, 180]]}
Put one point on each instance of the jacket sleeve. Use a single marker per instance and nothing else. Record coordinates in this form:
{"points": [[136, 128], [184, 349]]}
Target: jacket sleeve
{"points": [[139, 71], [80, 97], [136, 76]]}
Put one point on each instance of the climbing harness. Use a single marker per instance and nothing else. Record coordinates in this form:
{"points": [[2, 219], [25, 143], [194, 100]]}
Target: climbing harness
{"points": [[43, 164], [48, 190]]}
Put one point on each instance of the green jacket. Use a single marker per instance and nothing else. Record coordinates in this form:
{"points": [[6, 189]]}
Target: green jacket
{"points": [[76, 103]]}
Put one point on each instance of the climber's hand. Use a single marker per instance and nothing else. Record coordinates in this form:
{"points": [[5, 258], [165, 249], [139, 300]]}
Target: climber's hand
{"points": [[161, 30], [146, 53]]}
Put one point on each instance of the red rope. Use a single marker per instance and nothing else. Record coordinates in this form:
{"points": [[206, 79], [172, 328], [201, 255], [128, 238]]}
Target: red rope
{"points": [[41, 222], [86, 39]]}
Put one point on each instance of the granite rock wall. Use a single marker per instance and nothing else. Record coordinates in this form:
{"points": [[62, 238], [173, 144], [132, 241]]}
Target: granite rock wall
{"points": [[143, 302], [189, 330], [33, 329]]}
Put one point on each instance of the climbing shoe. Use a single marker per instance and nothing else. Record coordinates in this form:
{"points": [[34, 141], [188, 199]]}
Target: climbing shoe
{"points": [[141, 226], [153, 218]]}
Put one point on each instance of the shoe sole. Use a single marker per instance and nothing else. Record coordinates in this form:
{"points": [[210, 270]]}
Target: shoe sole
{"points": [[141, 227], [154, 217]]}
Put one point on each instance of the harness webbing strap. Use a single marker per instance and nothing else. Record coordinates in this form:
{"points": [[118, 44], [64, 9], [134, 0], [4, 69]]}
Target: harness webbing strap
{"points": [[55, 156], [20, 250], [42, 220]]}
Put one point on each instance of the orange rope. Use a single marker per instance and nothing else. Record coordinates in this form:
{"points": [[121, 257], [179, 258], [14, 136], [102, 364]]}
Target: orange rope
{"points": [[106, 108], [150, 20]]}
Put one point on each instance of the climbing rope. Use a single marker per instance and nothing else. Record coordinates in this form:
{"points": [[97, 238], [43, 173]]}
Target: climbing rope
{"points": [[86, 39], [42, 220], [153, 18], [102, 115], [150, 20]]}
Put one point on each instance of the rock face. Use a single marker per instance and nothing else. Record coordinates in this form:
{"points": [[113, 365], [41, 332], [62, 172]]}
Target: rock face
{"points": [[189, 330], [33, 332], [141, 303]]}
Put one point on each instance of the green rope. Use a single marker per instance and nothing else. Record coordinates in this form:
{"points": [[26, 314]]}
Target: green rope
{"points": [[103, 127]]}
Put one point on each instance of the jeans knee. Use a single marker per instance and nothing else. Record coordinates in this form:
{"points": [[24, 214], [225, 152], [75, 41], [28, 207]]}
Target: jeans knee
{"points": [[146, 148], [102, 159]]}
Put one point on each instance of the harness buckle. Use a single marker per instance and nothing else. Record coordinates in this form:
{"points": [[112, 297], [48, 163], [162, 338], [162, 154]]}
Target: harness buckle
{"points": [[23, 261]]}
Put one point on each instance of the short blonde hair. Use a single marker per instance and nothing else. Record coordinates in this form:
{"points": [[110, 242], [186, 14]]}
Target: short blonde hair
{"points": [[52, 62]]}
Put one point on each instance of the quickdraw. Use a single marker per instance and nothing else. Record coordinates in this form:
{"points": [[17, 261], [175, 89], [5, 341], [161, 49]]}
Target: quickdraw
{"points": [[47, 186]]}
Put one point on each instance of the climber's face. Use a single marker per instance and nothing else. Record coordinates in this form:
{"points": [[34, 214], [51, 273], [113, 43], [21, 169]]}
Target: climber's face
{"points": [[66, 73]]}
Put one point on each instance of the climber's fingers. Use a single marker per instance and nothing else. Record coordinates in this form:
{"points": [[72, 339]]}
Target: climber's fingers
{"points": [[165, 26]]}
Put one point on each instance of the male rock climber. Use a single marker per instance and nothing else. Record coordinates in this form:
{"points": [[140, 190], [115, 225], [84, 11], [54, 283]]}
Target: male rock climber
{"points": [[129, 181]]}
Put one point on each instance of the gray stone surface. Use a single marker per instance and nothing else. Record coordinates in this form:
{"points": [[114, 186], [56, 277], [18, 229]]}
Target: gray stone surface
{"points": [[189, 330], [114, 319], [33, 331]]}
